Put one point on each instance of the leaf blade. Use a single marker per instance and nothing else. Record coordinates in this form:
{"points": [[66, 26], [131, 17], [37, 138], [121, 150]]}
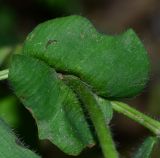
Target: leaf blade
{"points": [[146, 148], [72, 45], [9, 147], [58, 114]]}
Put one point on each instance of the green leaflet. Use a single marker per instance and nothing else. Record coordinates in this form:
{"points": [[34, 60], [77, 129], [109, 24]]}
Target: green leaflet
{"points": [[8, 146], [114, 66], [55, 107], [146, 148]]}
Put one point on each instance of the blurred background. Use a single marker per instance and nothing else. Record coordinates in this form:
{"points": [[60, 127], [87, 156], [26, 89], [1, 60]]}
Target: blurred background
{"points": [[18, 18]]}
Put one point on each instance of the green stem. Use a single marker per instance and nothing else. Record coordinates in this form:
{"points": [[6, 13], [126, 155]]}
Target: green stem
{"points": [[4, 74], [102, 129], [146, 121]]}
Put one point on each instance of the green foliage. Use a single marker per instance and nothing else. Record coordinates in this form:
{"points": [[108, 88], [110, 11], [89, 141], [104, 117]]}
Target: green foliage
{"points": [[9, 147], [20, 120], [4, 53], [106, 108], [58, 112], [96, 115], [55, 107], [9, 111], [146, 148], [114, 66], [109, 66]]}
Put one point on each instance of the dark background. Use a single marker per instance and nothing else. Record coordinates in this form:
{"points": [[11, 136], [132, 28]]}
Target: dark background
{"points": [[18, 18]]}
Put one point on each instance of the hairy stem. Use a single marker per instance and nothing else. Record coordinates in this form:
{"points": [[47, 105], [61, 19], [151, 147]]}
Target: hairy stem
{"points": [[4, 74], [101, 127], [146, 121]]}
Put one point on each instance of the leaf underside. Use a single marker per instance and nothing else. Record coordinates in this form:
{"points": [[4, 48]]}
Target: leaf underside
{"points": [[9, 148], [55, 107], [112, 67]]}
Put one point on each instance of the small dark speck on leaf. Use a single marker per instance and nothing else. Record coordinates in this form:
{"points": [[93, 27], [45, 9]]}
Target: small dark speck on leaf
{"points": [[22, 97], [50, 42]]}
